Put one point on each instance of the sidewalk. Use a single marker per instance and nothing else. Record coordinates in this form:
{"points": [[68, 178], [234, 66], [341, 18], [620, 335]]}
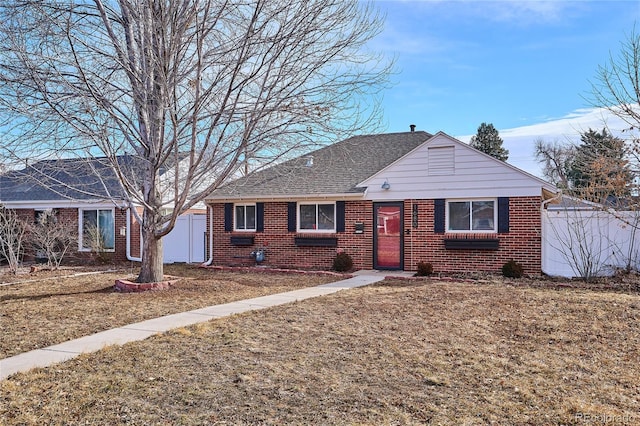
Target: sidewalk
{"points": [[141, 330]]}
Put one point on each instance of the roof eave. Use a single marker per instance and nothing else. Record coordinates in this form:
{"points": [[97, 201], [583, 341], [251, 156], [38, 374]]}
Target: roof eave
{"points": [[286, 197], [44, 204]]}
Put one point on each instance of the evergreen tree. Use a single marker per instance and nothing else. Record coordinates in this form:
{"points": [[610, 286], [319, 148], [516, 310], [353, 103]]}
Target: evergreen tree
{"points": [[599, 169], [488, 141]]}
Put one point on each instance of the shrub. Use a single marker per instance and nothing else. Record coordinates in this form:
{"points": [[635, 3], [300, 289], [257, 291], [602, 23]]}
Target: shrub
{"points": [[12, 238], [96, 241], [52, 239], [512, 269], [424, 269], [342, 262]]}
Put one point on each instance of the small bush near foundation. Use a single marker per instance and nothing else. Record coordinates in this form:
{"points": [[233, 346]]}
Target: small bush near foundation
{"points": [[424, 269], [512, 269], [342, 262]]}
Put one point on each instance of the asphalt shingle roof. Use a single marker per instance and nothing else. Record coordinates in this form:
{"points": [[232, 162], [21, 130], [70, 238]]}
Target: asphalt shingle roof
{"points": [[335, 169], [64, 179]]}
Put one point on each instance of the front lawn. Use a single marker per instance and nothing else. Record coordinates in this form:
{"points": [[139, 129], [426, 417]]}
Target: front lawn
{"points": [[404, 352], [46, 310]]}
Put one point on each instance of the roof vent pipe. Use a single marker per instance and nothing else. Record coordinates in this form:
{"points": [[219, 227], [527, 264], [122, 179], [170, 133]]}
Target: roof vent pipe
{"points": [[309, 162], [412, 127]]}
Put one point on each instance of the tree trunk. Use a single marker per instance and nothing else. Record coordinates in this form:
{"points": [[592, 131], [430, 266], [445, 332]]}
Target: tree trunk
{"points": [[188, 89], [152, 268]]}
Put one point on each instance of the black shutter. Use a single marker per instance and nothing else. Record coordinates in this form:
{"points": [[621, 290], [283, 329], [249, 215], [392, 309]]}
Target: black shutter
{"points": [[291, 216], [228, 217], [503, 214], [260, 217], [438, 215], [339, 216]]}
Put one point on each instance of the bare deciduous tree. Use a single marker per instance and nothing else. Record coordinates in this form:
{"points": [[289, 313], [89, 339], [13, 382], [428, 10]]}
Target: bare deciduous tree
{"points": [[596, 184], [592, 241], [52, 238], [555, 158], [602, 235], [616, 86], [12, 236], [191, 90]]}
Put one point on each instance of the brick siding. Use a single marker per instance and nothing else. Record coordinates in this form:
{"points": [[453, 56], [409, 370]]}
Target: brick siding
{"points": [[522, 243], [70, 215], [281, 250]]}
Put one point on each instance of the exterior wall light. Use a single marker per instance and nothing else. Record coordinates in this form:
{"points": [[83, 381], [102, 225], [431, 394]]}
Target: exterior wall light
{"points": [[386, 185]]}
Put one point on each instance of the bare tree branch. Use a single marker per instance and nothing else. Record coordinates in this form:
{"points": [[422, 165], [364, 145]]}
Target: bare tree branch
{"points": [[555, 158], [192, 90]]}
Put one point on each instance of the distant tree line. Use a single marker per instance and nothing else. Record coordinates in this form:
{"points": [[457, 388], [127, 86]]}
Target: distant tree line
{"points": [[597, 169]]}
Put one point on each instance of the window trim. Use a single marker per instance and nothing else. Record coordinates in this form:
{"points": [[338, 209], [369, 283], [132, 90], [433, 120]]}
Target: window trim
{"points": [[255, 217], [316, 231], [81, 211], [470, 230]]}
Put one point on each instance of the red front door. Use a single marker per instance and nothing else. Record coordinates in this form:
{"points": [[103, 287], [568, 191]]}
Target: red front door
{"points": [[387, 240]]}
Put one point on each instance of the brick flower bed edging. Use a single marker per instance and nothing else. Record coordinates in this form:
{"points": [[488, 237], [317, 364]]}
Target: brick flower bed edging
{"points": [[432, 278], [341, 275], [125, 286]]}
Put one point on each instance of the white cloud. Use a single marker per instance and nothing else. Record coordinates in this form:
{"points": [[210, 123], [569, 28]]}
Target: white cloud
{"points": [[529, 12], [520, 141], [512, 12]]}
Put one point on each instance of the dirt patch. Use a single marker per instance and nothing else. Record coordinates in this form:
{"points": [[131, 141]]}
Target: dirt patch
{"points": [[47, 309], [404, 353]]}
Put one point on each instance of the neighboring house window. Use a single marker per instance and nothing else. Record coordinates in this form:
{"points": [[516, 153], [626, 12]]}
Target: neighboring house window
{"points": [[245, 217], [98, 230], [48, 215], [471, 216], [317, 217]]}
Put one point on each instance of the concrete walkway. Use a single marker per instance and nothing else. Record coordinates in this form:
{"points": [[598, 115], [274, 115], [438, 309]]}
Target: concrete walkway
{"points": [[141, 330]]}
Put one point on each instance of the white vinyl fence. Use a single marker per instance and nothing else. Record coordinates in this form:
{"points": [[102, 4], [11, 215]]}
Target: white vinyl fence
{"points": [[186, 242], [588, 243]]}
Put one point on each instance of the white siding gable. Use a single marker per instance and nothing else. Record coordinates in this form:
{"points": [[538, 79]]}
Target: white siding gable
{"points": [[444, 167]]}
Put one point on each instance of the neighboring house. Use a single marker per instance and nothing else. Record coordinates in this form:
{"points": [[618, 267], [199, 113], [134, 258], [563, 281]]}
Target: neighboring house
{"points": [[389, 201], [84, 192]]}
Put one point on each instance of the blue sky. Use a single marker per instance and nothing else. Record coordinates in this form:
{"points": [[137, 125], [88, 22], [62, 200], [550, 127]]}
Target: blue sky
{"points": [[525, 67]]}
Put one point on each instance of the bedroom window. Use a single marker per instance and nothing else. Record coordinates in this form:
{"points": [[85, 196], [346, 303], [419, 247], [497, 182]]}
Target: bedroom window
{"points": [[245, 217], [471, 216], [317, 217], [98, 230]]}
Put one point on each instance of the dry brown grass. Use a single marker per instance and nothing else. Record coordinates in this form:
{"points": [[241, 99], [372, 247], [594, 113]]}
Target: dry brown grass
{"points": [[48, 311], [400, 353]]}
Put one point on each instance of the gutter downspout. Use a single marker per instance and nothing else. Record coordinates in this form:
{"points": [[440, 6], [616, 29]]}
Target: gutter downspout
{"points": [[129, 257], [210, 214]]}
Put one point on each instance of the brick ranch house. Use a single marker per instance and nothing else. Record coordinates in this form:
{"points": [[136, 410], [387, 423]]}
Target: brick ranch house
{"points": [[83, 192], [388, 200]]}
